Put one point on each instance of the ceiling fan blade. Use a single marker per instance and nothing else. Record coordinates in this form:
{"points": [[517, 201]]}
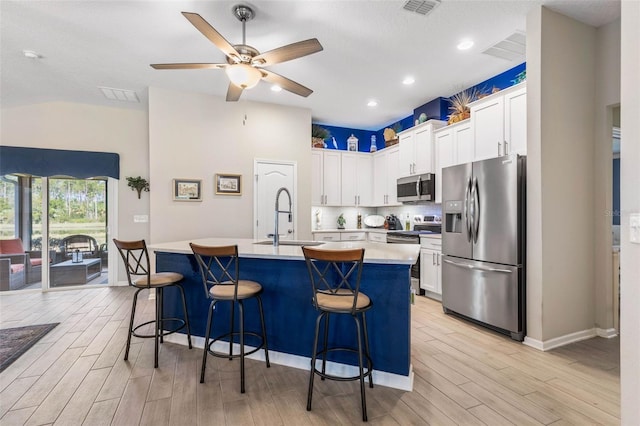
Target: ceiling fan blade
{"points": [[187, 66], [285, 83], [233, 93], [288, 52], [214, 36]]}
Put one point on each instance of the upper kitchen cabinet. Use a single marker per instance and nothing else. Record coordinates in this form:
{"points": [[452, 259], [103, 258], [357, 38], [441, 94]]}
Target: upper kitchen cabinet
{"points": [[499, 123], [416, 148], [357, 170], [325, 174], [385, 176], [453, 145]]}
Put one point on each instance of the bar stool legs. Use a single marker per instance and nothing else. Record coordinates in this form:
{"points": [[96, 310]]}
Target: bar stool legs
{"points": [[241, 336], [363, 355]]}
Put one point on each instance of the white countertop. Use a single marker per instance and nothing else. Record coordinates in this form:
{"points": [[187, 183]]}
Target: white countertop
{"points": [[402, 254]]}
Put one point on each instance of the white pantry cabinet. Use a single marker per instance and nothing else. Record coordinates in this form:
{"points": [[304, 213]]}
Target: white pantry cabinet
{"points": [[385, 177], [326, 177], [453, 145], [416, 148], [357, 183], [499, 123]]}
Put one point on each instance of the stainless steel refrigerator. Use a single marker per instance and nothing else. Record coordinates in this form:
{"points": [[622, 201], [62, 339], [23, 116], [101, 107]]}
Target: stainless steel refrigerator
{"points": [[483, 242]]}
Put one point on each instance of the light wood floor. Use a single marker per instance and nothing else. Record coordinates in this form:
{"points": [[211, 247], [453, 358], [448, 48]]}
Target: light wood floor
{"points": [[464, 375]]}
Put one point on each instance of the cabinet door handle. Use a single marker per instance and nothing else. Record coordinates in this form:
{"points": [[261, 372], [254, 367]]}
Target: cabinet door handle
{"points": [[506, 151], [358, 200], [433, 258], [499, 146]]}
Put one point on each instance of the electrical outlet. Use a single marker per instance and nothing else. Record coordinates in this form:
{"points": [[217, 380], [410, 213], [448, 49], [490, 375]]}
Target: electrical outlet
{"points": [[140, 218], [634, 228]]}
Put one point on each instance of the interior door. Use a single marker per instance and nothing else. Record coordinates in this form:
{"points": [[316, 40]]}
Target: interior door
{"points": [[270, 177]]}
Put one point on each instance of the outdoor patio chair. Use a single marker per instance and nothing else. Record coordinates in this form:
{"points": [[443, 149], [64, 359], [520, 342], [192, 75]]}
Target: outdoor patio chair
{"points": [[17, 266], [85, 244]]}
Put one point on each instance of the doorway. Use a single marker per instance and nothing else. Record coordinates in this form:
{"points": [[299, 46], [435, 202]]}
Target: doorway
{"points": [[271, 175]]}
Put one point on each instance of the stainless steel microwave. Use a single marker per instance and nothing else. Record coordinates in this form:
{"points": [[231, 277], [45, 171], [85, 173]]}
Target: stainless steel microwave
{"points": [[417, 188]]}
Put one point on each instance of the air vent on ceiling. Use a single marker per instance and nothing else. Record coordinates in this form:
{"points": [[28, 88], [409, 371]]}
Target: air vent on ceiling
{"points": [[420, 6], [511, 48], [123, 95]]}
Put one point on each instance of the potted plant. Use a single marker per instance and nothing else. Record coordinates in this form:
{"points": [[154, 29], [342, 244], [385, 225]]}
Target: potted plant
{"points": [[318, 135], [460, 105], [138, 183], [341, 221]]}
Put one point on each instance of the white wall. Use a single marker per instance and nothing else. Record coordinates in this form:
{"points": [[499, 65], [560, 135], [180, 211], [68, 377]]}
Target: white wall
{"points": [[630, 203], [59, 125], [561, 107], [607, 96], [196, 136]]}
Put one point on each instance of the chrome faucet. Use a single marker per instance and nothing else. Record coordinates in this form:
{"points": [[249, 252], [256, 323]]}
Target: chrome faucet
{"points": [[276, 237]]}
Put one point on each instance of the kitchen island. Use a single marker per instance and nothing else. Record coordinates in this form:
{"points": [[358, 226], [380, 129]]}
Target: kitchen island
{"points": [[289, 315]]}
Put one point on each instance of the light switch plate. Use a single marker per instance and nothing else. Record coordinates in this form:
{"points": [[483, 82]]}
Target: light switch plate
{"points": [[634, 228], [140, 218]]}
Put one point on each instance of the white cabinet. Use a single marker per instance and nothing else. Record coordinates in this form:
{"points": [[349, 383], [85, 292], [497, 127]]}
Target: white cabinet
{"points": [[357, 187], [340, 236], [416, 148], [385, 177], [499, 123], [377, 237], [431, 266], [453, 145], [515, 121], [326, 178], [353, 236], [326, 236]]}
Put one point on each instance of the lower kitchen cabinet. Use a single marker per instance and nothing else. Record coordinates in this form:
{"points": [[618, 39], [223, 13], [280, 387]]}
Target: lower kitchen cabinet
{"points": [[377, 237], [340, 236], [431, 267], [326, 236]]}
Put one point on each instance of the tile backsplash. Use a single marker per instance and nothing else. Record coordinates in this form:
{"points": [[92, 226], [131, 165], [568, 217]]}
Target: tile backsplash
{"points": [[329, 215]]}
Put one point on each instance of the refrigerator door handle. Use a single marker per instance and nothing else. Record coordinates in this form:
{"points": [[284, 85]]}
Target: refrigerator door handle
{"points": [[467, 210], [476, 210], [479, 268]]}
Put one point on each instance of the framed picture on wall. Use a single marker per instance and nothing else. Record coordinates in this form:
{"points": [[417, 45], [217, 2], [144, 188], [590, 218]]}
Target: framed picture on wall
{"points": [[227, 184], [187, 190]]}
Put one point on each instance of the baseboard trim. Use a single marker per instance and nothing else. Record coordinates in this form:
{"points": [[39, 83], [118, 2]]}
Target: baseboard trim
{"points": [[607, 333], [380, 378], [556, 342]]}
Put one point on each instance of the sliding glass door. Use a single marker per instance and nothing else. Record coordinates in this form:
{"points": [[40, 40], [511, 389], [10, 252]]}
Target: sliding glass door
{"points": [[66, 217], [77, 231]]}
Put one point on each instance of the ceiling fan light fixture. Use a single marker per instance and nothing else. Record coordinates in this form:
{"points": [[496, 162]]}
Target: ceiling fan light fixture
{"points": [[243, 75]]}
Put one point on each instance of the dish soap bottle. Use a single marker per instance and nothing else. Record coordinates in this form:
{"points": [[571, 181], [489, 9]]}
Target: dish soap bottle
{"points": [[407, 224]]}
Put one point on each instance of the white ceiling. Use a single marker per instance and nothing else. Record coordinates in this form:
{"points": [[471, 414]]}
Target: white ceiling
{"points": [[369, 47]]}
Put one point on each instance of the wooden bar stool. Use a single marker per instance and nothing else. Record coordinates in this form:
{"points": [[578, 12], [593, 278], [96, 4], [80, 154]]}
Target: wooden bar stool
{"points": [[335, 281], [219, 268], [136, 262]]}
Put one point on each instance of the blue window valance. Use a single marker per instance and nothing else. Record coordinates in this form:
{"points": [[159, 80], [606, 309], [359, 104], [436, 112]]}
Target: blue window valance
{"points": [[58, 162]]}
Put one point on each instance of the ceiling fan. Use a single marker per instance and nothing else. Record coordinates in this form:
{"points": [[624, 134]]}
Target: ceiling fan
{"points": [[245, 63]]}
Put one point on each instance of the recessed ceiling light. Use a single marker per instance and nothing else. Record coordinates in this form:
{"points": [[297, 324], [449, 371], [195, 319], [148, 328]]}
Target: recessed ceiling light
{"points": [[465, 44], [276, 88], [372, 103], [408, 80], [31, 54]]}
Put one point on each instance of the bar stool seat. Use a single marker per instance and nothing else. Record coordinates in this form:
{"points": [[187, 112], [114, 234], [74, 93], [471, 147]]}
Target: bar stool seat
{"points": [[335, 281], [220, 271], [136, 261]]}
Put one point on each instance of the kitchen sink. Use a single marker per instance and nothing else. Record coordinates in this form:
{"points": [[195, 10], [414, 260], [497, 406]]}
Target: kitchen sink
{"points": [[290, 243]]}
